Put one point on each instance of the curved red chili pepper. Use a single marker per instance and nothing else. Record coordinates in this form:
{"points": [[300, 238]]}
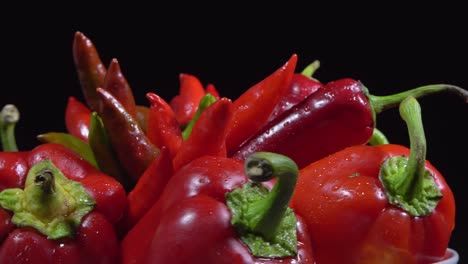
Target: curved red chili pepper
{"points": [[302, 85], [131, 145], [253, 108], [208, 134]]}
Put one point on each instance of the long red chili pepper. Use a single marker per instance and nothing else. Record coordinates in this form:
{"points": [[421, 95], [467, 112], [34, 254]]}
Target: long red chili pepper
{"points": [[253, 108], [91, 71], [302, 85], [132, 146], [92, 74], [116, 84], [77, 118], [163, 129], [339, 115], [208, 134], [146, 191]]}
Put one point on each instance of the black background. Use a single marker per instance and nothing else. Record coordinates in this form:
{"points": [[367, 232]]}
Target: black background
{"points": [[388, 48]]}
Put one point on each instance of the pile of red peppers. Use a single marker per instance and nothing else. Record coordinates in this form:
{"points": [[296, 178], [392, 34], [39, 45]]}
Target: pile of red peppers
{"points": [[292, 171]]}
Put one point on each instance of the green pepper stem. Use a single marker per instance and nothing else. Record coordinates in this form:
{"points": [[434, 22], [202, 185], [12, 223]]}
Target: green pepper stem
{"points": [[407, 182], [266, 214], [9, 116], [413, 174], [378, 138], [206, 101], [381, 103], [310, 69]]}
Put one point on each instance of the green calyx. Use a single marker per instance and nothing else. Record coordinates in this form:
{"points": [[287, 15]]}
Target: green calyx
{"points": [[261, 216], [50, 203], [407, 183]]}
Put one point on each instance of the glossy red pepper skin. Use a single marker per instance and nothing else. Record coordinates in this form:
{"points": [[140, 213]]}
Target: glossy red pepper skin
{"points": [[146, 191], [253, 108], [301, 86], [198, 190], [133, 148], [77, 118], [90, 69], [163, 129], [332, 118], [351, 221], [95, 241], [185, 104], [116, 84], [208, 136]]}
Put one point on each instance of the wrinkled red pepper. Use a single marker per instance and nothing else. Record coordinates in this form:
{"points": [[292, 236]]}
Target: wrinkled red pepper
{"points": [[339, 115], [211, 213], [378, 204], [57, 208]]}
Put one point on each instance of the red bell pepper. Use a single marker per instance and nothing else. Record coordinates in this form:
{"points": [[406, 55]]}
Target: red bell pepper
{"points": [[339, 115], [253, 107], [57, 208], [77, 118], [378, 204], [209, 212]]}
